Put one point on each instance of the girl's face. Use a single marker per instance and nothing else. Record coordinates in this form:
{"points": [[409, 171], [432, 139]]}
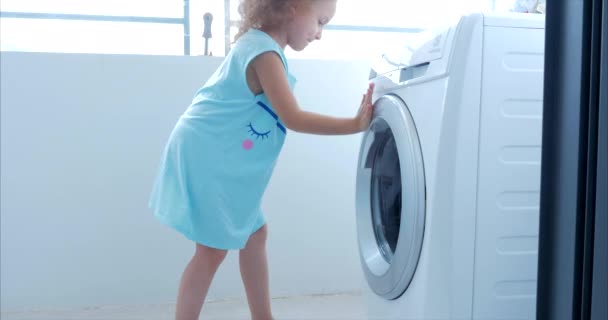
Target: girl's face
{"points": [[309, 19]]}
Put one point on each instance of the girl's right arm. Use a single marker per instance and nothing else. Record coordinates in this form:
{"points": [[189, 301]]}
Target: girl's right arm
{"points": [[270, 72]]}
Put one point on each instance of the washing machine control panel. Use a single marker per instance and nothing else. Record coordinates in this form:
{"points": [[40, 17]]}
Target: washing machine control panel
{"points": [[428, 60], [431, 50]]}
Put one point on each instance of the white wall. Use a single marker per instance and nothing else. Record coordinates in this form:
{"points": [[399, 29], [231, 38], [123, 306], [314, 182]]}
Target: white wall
{"points": [[81, 138]]}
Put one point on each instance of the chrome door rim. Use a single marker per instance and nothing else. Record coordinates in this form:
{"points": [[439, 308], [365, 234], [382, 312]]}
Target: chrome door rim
{"points": [[391, 280]]}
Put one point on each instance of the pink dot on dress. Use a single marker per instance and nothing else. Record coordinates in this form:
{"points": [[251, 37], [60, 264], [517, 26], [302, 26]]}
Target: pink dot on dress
{"points": [[247, 144]]}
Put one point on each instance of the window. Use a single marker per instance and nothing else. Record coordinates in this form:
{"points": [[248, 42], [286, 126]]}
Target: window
{"points": [[360, 29], [42, 35], [144, 8], [217, 44], [93, 26]]}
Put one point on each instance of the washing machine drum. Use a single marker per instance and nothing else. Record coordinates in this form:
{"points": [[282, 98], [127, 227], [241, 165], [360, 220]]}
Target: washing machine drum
{"points": [[390, 199]]}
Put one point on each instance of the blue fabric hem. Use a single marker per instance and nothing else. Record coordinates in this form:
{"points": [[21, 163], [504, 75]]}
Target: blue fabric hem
{"points": [[206, 242]]}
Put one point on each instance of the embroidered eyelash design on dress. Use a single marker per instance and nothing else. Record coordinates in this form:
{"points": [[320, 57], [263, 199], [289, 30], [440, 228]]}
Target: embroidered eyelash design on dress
{"points": [[248, 143], [257, 134]]}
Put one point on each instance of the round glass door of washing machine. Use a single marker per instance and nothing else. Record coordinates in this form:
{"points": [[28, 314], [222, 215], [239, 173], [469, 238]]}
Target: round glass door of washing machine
{"points": [[390, 199]]}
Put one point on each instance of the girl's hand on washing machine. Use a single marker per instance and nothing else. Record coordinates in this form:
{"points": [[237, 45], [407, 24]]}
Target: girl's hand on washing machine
{"points": [[364, 115]]}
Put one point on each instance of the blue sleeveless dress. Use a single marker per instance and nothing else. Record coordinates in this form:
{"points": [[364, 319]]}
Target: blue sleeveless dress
{"points": [[221, 154]]}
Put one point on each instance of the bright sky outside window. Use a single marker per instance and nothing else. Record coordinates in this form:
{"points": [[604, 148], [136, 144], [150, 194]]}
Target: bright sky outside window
{"points": [[157, 38]]}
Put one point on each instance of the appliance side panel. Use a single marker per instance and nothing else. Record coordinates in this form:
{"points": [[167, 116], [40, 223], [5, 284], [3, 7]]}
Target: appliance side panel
{"points": [[506, 248]]}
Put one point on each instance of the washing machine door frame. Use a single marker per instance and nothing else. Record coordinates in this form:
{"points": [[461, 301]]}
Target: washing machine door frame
{"points": [[389, 276]]}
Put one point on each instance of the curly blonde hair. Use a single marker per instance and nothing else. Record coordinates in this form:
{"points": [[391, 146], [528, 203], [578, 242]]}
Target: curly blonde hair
{"points": [[259, 13]]}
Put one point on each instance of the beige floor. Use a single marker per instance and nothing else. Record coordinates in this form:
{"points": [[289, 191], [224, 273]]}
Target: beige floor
{"points": [[321, 307]]}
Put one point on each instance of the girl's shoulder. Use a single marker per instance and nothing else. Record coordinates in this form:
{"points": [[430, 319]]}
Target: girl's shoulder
{"points": [[253, 43]]}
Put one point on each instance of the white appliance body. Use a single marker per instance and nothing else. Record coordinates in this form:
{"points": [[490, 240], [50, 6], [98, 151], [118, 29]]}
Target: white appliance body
{"points": [[449, 175]]}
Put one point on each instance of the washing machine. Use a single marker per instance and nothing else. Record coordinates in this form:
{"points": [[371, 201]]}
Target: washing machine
{"points": [[448, 177]]}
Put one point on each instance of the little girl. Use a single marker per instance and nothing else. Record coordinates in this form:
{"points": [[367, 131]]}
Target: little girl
{"points": [[223, 149]]}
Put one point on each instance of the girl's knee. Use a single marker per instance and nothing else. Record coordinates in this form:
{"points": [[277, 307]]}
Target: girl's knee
{"points": [[262, 232], [210, 255], [259, 237]]}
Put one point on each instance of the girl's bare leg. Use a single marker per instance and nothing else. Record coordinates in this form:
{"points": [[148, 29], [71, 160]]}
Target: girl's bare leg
{"points": [[196, 280], [254, 272]]}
